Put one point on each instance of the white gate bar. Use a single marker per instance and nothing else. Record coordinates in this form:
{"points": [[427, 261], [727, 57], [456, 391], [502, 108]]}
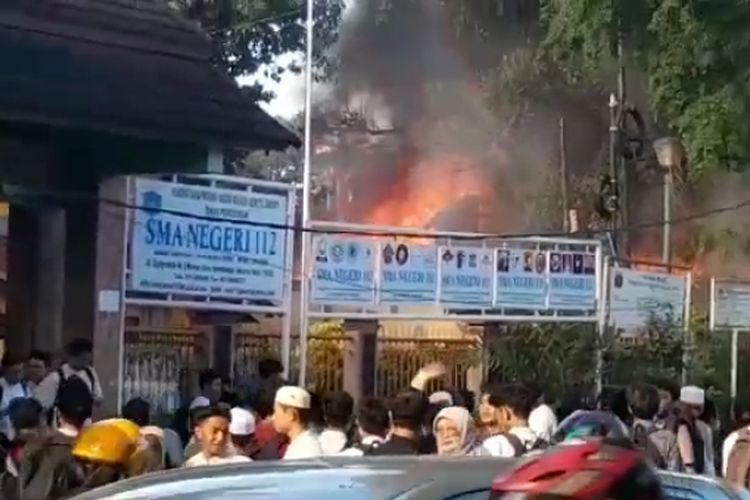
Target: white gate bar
{"points": [[207, 306], [322, 226], [470, 318]]}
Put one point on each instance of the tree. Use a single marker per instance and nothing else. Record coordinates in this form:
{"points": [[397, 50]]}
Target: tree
{"points": [[250, 35], [695, 53]]}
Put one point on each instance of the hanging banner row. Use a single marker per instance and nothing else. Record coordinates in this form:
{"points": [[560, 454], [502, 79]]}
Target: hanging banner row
{"points": [[362, 272]]}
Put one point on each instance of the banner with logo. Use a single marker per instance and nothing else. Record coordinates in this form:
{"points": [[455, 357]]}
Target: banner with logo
{"points": [[200, 240], [638, 297], [572, 280], [343, 270], [408, 273], [521, 278], [466, 277], [731, 305]]}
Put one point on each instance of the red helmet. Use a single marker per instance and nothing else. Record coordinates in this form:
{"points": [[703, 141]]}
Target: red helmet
{"points": [[587, 469]]}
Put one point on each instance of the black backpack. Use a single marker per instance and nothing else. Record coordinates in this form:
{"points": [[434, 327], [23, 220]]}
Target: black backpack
{"points": [[64, 380], [519, 448]]}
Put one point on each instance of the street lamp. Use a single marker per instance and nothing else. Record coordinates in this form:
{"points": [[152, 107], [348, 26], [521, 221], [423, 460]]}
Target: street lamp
{"points": [[669, 154]]}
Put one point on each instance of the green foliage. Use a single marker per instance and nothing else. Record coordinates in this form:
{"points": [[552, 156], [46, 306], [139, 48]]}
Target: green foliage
{"points": [[694, 52], [562, 357], [250, 35]]}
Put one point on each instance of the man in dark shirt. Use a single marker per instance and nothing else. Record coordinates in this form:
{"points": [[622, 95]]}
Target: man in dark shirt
{"points": [[407, 412]]}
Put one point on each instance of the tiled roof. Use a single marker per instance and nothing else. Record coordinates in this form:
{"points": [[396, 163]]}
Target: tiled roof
{"points": [[130, 67]]}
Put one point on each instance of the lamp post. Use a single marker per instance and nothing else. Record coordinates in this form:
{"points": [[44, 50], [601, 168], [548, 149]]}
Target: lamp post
{"points": [[669, 154]]}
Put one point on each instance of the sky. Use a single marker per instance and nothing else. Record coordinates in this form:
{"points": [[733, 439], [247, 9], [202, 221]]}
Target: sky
{"points": [[290, 91]]}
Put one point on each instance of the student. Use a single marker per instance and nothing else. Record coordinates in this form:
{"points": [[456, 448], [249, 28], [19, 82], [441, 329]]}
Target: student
{"points": [[487, 414], [338, 407], [36, 368], [271, 444], [242, 432], [79, 365], [25, 416], [542, 419], [691, 438], [210, 385], [291, 417], [47, 468], [653, 437], [12, 386], [372, 423], [407, 412], [512, 404], [212, 425], [742, 424]]}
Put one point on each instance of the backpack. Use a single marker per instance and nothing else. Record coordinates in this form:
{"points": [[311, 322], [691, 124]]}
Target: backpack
{"points": [[659, 445], [519, 448], [738, 465], [63, 379]]}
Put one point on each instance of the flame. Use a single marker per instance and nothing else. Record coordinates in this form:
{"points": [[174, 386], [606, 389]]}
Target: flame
{"points": [[424, 190]]}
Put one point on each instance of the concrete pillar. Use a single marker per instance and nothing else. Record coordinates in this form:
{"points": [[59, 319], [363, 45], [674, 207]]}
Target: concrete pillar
{"points": [[50, 279], [80, 255], [360, 358], [22, 237], [109, 313]]}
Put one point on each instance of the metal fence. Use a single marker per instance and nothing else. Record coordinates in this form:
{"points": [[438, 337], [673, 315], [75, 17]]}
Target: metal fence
{"points": [[398, 359]]}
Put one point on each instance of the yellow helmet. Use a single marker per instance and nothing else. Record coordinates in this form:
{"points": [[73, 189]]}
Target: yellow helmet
{"points": [[129, 427], [105, 444]]}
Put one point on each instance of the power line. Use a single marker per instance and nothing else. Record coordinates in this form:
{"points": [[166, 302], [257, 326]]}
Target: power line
{"points": [[86, 197]]}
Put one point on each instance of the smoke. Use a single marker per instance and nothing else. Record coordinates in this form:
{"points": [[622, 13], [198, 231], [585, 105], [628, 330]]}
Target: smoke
{"points": [[438, 116]]}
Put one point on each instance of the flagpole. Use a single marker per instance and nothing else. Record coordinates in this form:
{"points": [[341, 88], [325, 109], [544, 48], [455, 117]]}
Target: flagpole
{"points": [[306, 187]]}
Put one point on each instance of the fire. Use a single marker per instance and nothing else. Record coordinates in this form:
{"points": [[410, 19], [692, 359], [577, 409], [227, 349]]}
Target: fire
{"points": [[425, 189]]}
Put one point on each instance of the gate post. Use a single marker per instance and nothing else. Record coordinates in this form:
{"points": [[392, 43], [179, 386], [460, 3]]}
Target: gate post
{"points": [[360, 358]]}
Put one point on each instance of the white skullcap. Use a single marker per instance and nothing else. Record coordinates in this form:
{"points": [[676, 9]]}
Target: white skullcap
{"points": [[693, 395], [200, 402], [242, 423], [293, 396], [441, 397]]}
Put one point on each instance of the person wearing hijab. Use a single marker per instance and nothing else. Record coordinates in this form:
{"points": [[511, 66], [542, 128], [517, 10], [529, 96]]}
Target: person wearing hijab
{"points": [[455, 433]]}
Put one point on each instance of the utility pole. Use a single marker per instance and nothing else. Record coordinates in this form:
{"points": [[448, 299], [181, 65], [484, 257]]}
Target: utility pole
{"points": [[564, 178], [614, 132]]}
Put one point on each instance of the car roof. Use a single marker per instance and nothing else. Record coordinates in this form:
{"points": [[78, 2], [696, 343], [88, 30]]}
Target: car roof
{"points": [[370, 477]]}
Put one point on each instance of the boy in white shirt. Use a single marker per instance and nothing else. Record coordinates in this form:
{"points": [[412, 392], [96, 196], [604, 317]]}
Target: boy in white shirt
{"points": [[512, 404], [213, 433], [291, 415], [338, 407]]}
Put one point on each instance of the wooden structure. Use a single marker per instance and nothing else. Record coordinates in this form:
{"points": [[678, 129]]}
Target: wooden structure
{"points": [[91, 90]]}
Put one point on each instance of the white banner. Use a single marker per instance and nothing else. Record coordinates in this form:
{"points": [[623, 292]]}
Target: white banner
{"points": [[408, 273], [466, 277], [206, 254], [731, 305], [637, 297], [343, 270]]}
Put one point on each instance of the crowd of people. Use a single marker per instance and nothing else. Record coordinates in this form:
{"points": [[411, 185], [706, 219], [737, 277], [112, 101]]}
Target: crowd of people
{"points": [[53, 449]]}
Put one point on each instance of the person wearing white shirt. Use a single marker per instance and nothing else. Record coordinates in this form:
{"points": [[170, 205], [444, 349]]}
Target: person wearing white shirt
{"points": [[79, 364], [13, 386], [213, 433], [742, 420], [512, 404], [542, 419], [338, 407], [291, 415], [36, 367], [373, 424]]}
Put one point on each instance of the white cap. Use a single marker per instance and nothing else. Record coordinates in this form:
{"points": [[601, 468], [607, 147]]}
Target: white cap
{"points": [[200, 402], [242, 423], [293, 396], [693, 395], [441, 397]]}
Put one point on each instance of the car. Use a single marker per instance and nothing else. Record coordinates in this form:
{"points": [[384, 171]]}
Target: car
{"points": [[426, 477]]}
